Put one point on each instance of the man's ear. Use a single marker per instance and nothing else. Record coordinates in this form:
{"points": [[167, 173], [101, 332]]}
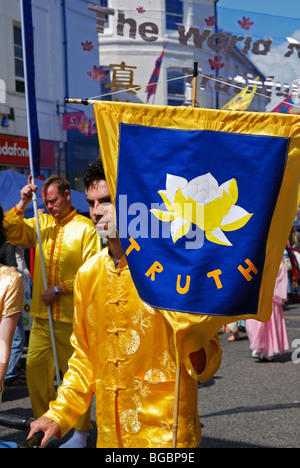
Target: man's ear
{"points": [[68, 194]]}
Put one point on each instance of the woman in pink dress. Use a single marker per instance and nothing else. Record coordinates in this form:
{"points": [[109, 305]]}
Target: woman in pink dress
{"points": [[270, 338]]}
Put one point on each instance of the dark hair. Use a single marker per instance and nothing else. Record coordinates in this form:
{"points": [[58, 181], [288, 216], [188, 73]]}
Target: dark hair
{"points": [[2, 230], [61, 184], [93, 172]]}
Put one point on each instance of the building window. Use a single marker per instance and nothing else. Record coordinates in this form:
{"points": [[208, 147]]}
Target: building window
{"points": [[176, 88], [174, 14], [104, 4], [19, 66]]}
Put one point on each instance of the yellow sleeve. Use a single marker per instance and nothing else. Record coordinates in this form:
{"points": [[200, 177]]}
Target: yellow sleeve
{"points": [[91, 243], [204, 363], [18, 229], [68, 285], [75, 394]]}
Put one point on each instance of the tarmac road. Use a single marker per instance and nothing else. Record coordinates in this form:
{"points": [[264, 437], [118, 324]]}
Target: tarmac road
{"points": [[250, 404], [247, 404]]}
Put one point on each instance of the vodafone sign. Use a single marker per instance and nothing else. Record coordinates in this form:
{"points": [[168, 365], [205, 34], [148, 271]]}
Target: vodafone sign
{"points": [[14, 150]]}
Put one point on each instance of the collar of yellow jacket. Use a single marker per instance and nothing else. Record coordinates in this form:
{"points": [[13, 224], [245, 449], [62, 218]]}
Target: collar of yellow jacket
{"points": [[63, 221], [67, 218]]}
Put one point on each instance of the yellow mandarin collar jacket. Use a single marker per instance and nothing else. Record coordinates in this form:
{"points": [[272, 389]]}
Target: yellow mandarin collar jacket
{"points": [[66, 246], [123, 356]]}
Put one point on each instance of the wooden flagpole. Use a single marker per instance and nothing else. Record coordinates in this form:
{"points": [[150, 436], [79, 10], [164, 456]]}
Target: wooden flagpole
{"points": [[178, 370], [176, 408], [85, 102], [195, 78]]}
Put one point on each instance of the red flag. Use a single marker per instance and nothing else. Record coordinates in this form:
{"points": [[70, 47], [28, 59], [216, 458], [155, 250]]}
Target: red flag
{"points": [[152, 85], [287, 106]]}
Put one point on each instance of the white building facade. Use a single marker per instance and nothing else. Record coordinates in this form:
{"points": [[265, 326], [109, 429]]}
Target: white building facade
{"points": [[133, 38], [59, 26], [49, 89], [126, 40]]}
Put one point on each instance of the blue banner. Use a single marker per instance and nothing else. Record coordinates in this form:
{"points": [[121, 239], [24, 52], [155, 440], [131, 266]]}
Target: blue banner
{"points": [[194, 210], [29, 76]]}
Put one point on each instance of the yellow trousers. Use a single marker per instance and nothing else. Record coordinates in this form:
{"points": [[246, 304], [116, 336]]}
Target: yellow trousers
{"points": [[40, 367]]}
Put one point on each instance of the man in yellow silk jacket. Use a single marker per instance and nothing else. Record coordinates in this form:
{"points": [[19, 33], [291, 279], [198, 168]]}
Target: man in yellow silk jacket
{"points": [[122, 354], [68, 240]]}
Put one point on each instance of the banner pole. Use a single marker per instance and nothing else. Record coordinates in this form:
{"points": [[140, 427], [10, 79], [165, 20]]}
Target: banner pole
{"points": [[85, 102], [176, 408], [195, 78], [34, 198], [178, 369]]}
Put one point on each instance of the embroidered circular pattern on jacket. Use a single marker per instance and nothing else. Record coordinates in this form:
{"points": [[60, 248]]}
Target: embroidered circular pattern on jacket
{"points": [[155, 376], [93, 338], [148, 308], [129, 421], [137, 402], [90, 314], [129, 341]]}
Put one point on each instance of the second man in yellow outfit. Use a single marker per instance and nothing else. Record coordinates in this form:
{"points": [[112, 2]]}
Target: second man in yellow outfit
{"points": [[68, 241]]}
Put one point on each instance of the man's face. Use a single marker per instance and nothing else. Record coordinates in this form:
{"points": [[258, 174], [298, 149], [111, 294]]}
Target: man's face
{"points": [[57, 205], [101, 209]]}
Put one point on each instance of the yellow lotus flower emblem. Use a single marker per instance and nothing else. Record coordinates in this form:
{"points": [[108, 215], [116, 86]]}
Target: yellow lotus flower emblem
{"points": [[204, 203]]}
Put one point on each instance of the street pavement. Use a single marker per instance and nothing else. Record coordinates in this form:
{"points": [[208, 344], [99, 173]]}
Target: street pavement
{"points": [[247, 404], [252, 404]]}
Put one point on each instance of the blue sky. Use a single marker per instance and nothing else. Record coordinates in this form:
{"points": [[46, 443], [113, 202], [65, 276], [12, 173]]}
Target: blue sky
{"points": [[289, 8], [277, 19]]}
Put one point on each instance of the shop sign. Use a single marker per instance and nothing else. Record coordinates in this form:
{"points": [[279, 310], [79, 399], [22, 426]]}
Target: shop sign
{"points": [[71, 120], [14, 150]]}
